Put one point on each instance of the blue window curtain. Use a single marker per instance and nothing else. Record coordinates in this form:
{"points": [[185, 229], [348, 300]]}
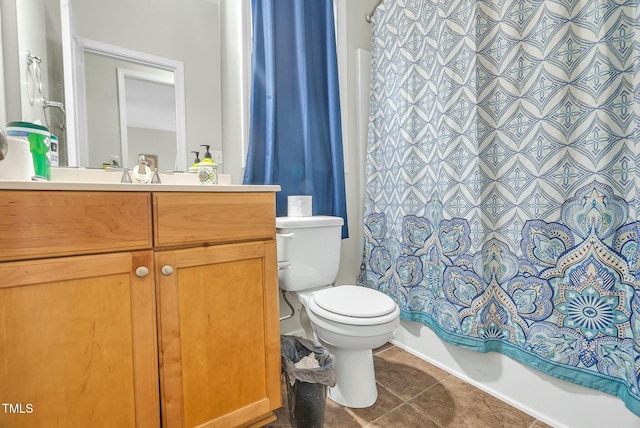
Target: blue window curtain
{"points": [[295, 137]]}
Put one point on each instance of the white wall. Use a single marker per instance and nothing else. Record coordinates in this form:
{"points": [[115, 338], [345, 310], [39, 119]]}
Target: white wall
{"points": [[32, 38], [236, 68], [154, 142], [354, 33], [10, 67]]}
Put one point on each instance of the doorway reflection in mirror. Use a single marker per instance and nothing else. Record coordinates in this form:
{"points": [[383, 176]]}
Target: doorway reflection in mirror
{"points": [[131, 109]]}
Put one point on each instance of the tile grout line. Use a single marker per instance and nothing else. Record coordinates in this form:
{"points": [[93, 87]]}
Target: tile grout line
{"points": [[403, 401], [422, 392], [382, 351], [407, 401], [425, 415]]}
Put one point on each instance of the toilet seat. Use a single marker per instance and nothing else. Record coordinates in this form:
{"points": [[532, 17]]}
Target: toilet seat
{"points": [[350, 304]]}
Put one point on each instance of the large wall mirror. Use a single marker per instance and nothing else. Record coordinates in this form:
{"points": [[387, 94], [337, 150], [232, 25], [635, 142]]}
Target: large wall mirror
{"points": [[132, 104], [117, 78]]}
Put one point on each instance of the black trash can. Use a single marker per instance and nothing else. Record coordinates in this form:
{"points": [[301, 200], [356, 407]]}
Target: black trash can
{"points": [[307, 380]]}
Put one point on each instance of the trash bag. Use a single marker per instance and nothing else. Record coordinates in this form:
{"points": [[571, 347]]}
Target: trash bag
{"points": [[308, 370], [294, 349]]}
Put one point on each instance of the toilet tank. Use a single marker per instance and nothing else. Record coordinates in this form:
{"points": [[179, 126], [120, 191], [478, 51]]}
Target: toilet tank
{"points": [[308, 251]]}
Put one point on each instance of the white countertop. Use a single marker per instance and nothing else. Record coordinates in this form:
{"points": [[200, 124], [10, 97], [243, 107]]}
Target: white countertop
{"points": [[128, 187], [99, 180]]}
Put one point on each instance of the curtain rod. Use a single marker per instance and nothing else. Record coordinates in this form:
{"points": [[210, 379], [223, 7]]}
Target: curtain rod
{"points": [[369, 16]]}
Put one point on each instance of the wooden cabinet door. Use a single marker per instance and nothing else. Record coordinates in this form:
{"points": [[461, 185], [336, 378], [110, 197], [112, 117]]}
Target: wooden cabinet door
{"points": [[78, 342], [219, 335]]}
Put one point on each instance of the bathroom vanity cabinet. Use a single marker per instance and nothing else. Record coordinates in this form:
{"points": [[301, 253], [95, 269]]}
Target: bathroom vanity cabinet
{"points": [[138, 309]]}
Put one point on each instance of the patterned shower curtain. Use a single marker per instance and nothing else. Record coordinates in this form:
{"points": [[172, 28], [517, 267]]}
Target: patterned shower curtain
{"points": [[502, 180]]}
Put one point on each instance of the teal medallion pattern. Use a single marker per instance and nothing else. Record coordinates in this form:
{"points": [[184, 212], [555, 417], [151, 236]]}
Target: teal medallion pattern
{"points": [[502, 182]]}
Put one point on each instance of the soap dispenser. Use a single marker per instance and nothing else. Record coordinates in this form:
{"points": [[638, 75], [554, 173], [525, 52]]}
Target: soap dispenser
{"points": [[208, 169], [196, 163]]}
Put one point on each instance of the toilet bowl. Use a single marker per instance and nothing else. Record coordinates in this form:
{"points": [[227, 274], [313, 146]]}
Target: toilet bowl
{"points": [[351, 321], [348, 320]]}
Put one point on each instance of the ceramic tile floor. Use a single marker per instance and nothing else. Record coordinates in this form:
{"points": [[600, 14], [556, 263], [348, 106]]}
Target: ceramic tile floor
{"points": [[413, 393]]}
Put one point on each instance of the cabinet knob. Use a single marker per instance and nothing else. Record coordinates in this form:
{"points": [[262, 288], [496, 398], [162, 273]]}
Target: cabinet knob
{"points": [[167, 270], [142, 271]]}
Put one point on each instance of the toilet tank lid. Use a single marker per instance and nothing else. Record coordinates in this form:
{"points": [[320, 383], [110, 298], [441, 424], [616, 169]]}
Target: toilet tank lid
{"points": [[311, 221]]}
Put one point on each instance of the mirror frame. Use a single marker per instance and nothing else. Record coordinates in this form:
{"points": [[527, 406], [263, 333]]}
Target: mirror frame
{"points": [[79, 94]]}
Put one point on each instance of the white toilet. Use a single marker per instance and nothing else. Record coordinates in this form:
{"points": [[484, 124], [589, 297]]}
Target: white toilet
{"points": [[348, 320]]}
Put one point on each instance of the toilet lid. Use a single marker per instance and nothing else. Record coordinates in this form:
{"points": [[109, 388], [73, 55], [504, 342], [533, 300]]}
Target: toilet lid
{"points": [[354, 301]]}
